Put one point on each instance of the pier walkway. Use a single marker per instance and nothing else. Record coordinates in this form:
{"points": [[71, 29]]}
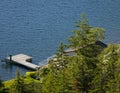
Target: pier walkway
{"points": [[23, 60]]}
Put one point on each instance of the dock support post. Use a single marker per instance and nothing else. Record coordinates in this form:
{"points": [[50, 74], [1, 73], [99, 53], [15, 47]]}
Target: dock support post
{"points": [[10, 58]]}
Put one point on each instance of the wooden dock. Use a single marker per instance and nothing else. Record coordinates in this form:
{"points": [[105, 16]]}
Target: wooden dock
{"points": [[23, 60], [69, 50]]}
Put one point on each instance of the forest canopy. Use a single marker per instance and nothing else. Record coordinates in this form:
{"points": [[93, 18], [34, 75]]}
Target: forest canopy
{"points": [[94, 67]]}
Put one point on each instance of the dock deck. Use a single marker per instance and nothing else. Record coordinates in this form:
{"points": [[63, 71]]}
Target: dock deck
{"points": [[69, 50], [23, 59]]}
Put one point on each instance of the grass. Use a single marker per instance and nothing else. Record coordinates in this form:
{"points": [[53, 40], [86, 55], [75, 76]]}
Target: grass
{"points": [[27, 79], [8, 83]]}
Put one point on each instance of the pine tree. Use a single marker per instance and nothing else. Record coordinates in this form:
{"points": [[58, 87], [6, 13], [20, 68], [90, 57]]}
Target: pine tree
{"points": [[80, 67], [18, 84], [1, 86], [85, 34], [107, 71], [83, 42]]}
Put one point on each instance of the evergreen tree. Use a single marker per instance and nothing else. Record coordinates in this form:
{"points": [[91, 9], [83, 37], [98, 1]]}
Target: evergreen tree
{"points": [[85, 34], [83, 42], [1, 87], [18, 84], [1, 84], [107, 71]]}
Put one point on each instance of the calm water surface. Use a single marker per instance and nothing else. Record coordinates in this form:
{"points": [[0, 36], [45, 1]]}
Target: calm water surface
{"points": [[36, 27]]}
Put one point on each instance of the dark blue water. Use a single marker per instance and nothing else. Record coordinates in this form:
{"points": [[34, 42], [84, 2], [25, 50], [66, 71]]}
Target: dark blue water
{"points": [[36, 27]]}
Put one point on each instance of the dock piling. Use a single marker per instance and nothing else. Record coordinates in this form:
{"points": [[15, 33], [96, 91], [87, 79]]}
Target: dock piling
{"points": [[10, 58]]}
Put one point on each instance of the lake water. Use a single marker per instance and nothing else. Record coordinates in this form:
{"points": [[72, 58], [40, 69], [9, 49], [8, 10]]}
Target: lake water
{"points": [[36, 27]]}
